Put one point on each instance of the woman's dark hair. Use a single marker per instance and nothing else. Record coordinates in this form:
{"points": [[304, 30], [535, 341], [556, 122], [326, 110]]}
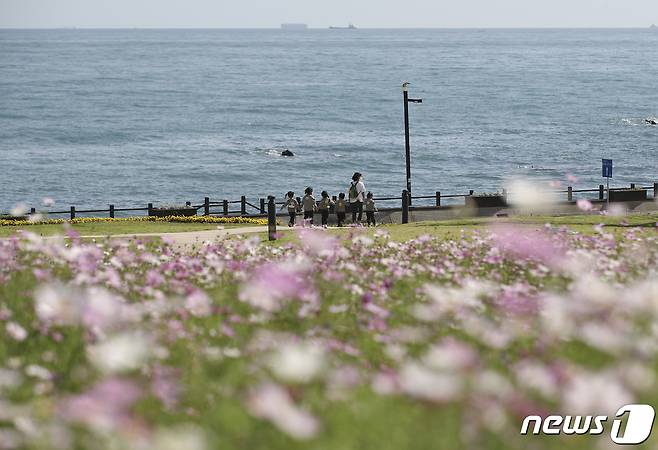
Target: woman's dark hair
{"points": [[341, 195], [356, 176], [308, 190], [290, 194], [325, 194], [369, 195]]}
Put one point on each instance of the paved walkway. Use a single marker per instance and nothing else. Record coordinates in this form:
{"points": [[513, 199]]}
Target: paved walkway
{"points": [[186, 239]]}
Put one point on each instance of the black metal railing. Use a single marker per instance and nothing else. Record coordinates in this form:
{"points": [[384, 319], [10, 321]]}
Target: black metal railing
{"points": [[259, 208]]}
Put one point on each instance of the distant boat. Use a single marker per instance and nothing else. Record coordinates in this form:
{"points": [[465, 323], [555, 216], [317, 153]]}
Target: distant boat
{"points": [[349, 27], [294, 26]]}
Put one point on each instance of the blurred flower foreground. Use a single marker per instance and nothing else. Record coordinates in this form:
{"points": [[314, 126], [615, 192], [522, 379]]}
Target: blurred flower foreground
{"points": [[352, 342]]}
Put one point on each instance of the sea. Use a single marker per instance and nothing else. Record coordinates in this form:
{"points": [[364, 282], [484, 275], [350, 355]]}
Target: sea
{"points": [[127, 117]]}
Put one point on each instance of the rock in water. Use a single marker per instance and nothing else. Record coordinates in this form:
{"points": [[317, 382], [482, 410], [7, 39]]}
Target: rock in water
{"points": [[651, 121], [287, 153]]}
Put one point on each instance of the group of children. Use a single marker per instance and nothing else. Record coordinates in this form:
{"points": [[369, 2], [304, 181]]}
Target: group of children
{"points": [[310, 205]]}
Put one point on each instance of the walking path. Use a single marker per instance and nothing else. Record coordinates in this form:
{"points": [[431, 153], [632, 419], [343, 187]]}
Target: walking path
{"points": [[190, 238], [183, 240]]}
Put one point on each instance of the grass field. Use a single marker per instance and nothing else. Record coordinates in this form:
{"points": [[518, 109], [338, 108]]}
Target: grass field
{"points": [[444, 229], [579, 223], [453, 229], [401, 337], [113, 228]]}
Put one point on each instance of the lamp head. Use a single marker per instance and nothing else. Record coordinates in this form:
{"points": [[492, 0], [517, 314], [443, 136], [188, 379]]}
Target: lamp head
{"points": [[405, 86]]}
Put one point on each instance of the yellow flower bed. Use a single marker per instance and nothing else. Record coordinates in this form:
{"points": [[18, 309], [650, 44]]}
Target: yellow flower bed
{"points": [[181, 219]]}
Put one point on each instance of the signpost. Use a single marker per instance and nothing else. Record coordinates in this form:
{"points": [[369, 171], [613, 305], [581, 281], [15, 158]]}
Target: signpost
{"points": [[606, 168]]}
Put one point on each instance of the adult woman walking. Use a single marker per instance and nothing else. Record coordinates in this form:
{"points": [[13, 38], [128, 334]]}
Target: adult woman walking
{"points": [[357, 196]]}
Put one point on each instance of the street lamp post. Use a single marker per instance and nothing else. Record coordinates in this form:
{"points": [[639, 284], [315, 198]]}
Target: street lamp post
{"points": [[407, 100]]}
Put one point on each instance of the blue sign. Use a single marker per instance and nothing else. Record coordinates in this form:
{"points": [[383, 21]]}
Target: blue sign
{"points": [[607, 168]]}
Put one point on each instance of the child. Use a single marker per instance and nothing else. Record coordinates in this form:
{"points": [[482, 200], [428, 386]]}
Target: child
{"points": [[309, 205], [370, 209], [325, 204], [293, 206], [341, 206]]}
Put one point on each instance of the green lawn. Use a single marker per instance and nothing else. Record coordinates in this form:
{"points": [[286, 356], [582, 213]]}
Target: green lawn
{"points": [[112, 228], [447, 229], [452, 229]]}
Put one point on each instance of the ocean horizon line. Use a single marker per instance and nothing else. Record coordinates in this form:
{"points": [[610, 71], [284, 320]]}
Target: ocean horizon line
{"points": [[316, 28]]}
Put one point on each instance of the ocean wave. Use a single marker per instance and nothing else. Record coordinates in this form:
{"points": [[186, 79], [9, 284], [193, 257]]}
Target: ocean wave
{"points": [[638, 121]]}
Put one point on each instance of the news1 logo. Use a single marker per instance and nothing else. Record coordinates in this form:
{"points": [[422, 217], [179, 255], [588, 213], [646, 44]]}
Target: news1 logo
{"points": [[638, 421]]}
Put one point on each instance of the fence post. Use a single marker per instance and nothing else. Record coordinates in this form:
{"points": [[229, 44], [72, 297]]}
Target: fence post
{"points": [[601, 188], [262, 206], [111, 211], [225, 207], [405, 206], [569, 194], [438, 199], [206, 206], [271, 218], [150, 207], [72, 212], [243, 206], [505, 195], [655, 190]]}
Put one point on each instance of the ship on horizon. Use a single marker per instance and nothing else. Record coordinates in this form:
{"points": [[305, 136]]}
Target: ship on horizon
{"points": [[294, 26], [349, 27]]}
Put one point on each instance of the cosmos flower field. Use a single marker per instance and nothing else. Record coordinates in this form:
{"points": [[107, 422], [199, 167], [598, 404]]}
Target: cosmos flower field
{"points": [[350, 341]]}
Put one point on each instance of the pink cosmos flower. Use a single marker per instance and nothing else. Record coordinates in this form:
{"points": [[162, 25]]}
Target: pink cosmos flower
{"points": [[198, 304], [317, 240], [104, 407], [274, 283], [101, 310], [584, 205], [516, 300], [165, 385], [526, 243], [154, 278]]}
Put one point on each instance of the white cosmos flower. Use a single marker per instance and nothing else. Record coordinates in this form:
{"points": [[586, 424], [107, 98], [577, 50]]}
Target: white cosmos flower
{"points": [[584, 394], [19, 209], [120, 353], [16, 331], [58, 303], [422, 382], [273, 403], [530, 196], [297, 361]]}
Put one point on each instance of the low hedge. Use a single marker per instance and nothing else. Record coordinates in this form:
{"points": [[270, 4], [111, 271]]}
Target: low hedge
{"points": [[180, 219]]}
